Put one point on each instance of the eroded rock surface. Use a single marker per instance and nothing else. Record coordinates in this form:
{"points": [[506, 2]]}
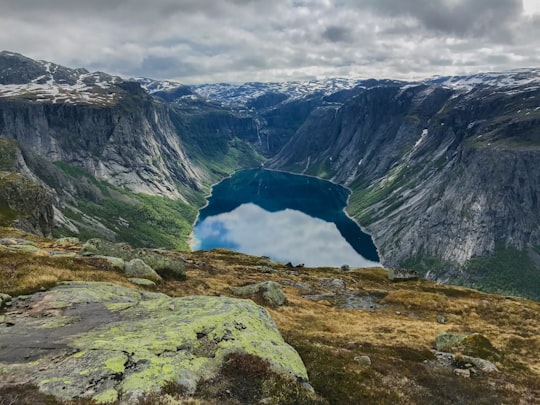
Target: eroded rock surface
{"points": [[97, 340]]}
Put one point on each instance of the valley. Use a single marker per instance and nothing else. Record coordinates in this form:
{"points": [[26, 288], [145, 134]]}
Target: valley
{"points": [[442, 171], [104, 182]]}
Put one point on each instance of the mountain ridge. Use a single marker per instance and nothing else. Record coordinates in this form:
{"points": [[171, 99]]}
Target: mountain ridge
{"points": [[422, 158]]}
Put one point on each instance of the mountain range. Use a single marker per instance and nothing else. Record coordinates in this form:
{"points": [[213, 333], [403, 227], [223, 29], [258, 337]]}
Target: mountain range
{"points": [[443, 172]]}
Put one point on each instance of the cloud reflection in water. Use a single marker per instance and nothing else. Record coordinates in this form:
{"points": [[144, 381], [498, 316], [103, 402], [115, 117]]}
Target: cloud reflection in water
{"points": [[286, 235]]}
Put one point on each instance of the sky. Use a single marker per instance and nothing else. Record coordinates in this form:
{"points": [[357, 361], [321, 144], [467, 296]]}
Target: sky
{"points": [[209, 41]]}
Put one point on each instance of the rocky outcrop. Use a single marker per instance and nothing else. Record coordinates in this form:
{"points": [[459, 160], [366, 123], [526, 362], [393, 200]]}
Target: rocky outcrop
{"points": [[475, 345], [101, 341], [269, 292], [402, 275], [25, 204], [140, 262]]}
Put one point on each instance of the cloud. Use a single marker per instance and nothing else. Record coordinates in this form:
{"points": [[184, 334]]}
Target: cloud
{"points": [[286, 235], [247, 40]]}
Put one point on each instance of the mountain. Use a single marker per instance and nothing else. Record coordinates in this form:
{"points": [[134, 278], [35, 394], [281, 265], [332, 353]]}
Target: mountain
{"points": [[443, 174], [442, 171], [110, 153]]}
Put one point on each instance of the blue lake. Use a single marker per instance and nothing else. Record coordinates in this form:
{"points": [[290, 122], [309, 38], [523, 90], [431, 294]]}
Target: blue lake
{"points": [[287, 217]]}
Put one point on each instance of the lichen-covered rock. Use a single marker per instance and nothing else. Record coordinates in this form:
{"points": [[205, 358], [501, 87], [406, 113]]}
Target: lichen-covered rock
{"points": [[475, 345], [100, 339], [269, 291], [4, 299], [166, 267], [142, 281], [115, 262], [68, 240], [402, 275], [447, 342], [139, 269]]}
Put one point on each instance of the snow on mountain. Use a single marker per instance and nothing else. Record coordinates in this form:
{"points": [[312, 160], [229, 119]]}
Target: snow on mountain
{"points": [[503, 80], [241, 94], [153, 86], [41, 81]]}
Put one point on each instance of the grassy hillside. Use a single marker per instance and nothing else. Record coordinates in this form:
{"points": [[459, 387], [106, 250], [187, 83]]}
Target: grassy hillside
{"points": [[325, 321]]}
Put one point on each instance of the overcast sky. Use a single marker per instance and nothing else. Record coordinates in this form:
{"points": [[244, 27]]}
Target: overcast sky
{"points": [[194, 41]]}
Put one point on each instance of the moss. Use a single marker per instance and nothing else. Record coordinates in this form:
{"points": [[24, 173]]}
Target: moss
{"points": [[106, 397], [117, 363]]}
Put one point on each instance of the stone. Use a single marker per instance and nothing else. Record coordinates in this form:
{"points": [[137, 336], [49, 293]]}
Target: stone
{"points": [[107, 339], [270, 292], [15, 241], [334, 284], [115, 262], [345, 267], [474, 345], [440, 319], [484, 366], [363, 360], [68, 240], [462, 373], [136, 268], [4, 299], [142, 281], [165, 266], [448, 342], [402, 275]]}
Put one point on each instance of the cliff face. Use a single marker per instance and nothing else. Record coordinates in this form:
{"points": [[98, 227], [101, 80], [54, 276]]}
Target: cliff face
{"points": [[117, 162], [440, 176], [131, 144]]}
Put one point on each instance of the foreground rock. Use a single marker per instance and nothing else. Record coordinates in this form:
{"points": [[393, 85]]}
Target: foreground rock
{"points": [[105, 342], [269, 292], [166, 267]]}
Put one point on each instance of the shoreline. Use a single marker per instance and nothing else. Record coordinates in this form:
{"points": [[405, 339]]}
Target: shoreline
{"points": [[192, 240]]}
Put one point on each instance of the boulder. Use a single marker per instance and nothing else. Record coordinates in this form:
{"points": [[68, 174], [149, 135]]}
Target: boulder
{"points": [[142, 281], [165, 266], [484, 366], [99, 340], [139, 269], [402, 275], [363, 360], [269, 292], [475, 345], [4, 299], [335, 284]]}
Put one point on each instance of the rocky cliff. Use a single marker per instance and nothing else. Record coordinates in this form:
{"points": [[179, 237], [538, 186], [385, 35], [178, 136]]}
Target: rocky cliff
{"points": [[112, 155], [442, 176]]}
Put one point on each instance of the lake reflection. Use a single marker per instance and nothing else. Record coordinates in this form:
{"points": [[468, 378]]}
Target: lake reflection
{"points": [[286, 217], [287, 235]]}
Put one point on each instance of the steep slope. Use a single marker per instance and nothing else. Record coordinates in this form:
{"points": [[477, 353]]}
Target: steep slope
{"points": [[108, 151], [444, 178]]}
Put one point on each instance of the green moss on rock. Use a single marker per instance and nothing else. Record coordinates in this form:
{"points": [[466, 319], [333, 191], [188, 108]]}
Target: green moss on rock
{"points": [[137, 342]]}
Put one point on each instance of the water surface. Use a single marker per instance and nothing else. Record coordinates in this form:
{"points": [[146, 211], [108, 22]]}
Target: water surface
{"points": [[290, 218]]}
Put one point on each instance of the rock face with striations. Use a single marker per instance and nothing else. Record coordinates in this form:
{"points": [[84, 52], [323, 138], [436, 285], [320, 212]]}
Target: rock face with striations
{"points": [[102, 341], [441, 175]]}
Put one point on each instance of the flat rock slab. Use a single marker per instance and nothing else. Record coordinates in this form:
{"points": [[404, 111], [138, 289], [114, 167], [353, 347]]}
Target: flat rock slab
{"points": [[95, 340]]}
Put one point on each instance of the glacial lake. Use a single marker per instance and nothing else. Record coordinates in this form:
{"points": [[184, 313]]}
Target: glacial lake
{"points": [[287, 217]]}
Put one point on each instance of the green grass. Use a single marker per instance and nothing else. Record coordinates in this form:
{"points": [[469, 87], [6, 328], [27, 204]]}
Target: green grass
{"points": [[509, 272], [8, 152], [139, 219]]}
